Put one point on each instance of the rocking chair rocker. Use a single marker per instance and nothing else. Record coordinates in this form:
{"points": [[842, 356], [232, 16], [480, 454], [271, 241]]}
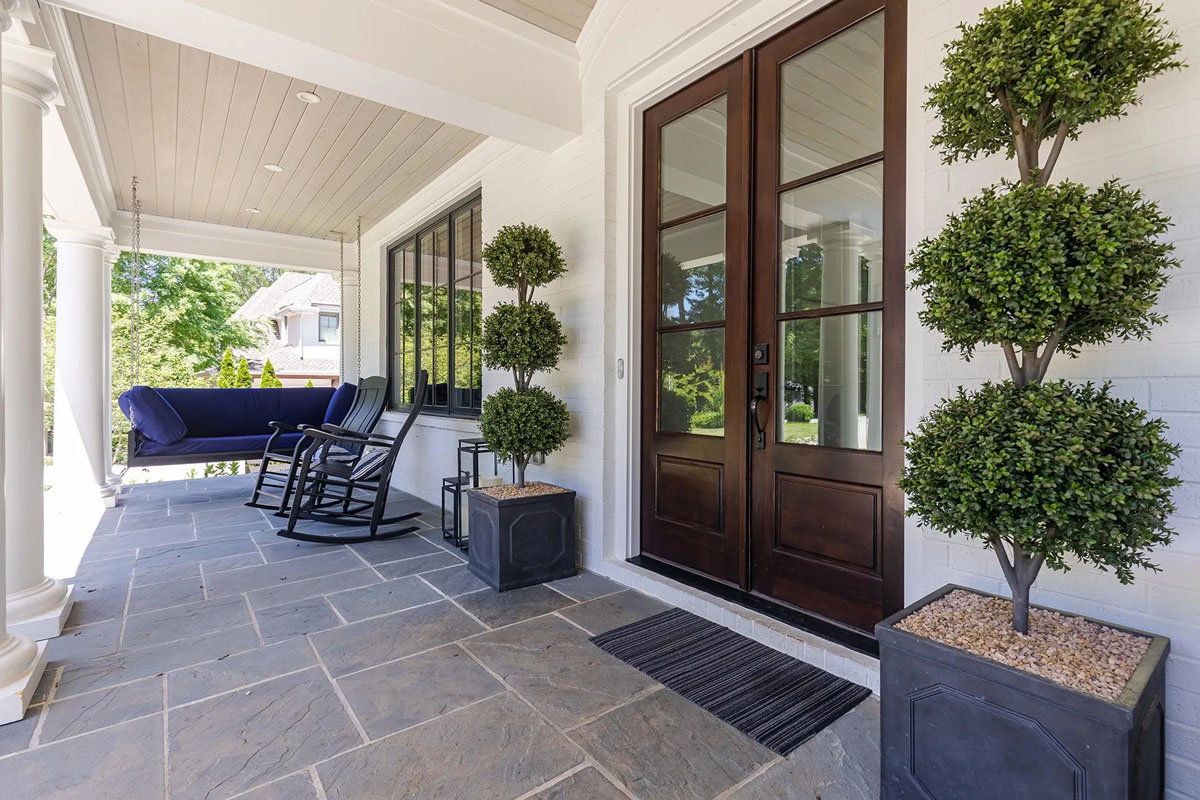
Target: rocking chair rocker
{"points": [[350, 490]]}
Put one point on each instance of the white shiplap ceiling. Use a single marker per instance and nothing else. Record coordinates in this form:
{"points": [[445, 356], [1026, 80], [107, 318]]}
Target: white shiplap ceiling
{"points": [[563, 18], [197, 130]]}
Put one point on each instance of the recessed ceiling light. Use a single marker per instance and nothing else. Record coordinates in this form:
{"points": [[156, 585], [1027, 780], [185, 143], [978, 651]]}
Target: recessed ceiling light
{"points": [[252, 210], [272, 168], [309, 97]]}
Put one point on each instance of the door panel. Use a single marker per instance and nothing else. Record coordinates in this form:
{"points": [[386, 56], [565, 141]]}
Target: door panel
{"points": [[695, 309], [827, 302]]}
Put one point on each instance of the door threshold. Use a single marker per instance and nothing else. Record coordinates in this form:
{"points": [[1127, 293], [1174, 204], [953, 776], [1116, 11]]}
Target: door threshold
{"points": [[856, 640]]}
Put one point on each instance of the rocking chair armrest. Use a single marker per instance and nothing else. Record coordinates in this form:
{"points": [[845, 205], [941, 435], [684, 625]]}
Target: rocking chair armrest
{"points": [[321, 435], [284, 427]]}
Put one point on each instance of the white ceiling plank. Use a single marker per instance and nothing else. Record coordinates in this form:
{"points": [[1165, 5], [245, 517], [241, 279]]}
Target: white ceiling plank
{"points": [[445, 60], [268, 115], [193, 83], [366, 116], [352, 174], [101, 42], [133, 49], [218, 93], [164, 99], [247, 88]]}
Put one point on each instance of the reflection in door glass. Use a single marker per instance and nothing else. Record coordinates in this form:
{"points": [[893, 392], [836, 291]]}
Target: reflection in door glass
{"points": [[692, 271], [831, 242], [831, 102], [691, 395], [831, 381], [693, 161]]}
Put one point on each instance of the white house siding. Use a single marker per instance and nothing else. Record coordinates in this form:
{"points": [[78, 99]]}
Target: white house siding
{"points": [[577, 191]]}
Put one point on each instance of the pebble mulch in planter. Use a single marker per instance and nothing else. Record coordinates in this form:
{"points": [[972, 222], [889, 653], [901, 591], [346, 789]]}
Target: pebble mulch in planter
{"points": [[1079, 654], [508, 491]]}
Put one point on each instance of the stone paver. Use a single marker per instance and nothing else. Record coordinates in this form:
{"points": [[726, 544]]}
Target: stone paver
{"points": [[282, 666]]}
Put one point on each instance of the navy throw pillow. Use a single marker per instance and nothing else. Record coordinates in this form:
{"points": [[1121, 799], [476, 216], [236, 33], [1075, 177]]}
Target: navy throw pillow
{"points": [[339, 404], [152, 415]]}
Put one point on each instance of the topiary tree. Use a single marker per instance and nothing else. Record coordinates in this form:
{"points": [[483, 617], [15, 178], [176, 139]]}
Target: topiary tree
{"points": [[243, 379], [309, 385], [228, 372], [268, 379], [1042, 471], [523, 338]]}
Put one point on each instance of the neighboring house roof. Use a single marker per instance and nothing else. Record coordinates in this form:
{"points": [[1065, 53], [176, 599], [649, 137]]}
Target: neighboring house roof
{"points": [[287, 360], [290, 290]]}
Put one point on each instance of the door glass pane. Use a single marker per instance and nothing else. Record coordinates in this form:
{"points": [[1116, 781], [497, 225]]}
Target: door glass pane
{"points": [[693, 161], [831, 241], [831, 381], [831, 102], [692, 271], [468, 369], [691, 396]]}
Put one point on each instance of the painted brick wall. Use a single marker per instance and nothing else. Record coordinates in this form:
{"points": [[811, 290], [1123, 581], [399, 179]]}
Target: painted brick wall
{"points": [[1155, 149]]}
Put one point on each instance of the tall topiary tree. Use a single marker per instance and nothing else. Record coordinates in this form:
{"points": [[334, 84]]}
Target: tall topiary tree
{"points": [[243, 378], [268, 380], [1042, 471], [228, 371], [523, 338]]}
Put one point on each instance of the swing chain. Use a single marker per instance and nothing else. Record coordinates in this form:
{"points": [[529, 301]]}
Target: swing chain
{"points": [[358, 303], [342, 307], [135, 288]]}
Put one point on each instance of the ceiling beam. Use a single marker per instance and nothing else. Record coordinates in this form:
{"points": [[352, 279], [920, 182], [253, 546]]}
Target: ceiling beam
{"points": [[458, 61], [226, 243]]}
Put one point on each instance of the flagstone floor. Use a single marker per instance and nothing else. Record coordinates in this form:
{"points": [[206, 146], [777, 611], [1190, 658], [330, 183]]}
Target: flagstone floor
{"points": [[208, 658]]}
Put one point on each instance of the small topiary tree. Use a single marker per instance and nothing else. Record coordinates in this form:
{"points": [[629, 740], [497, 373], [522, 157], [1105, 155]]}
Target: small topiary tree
{"points": [[523, 338], [309, 385], [243, 379], [268, 380], [1043, 471], [228, 371]]}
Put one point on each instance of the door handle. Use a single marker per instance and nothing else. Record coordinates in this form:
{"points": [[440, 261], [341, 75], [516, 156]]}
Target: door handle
{"points": [[761, 382]]}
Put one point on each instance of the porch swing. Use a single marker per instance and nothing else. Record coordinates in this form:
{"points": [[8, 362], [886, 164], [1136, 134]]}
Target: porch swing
{"points": [[192, 426]]}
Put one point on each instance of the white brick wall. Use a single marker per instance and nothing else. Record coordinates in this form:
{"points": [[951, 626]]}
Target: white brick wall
{"points": [[573, 193]]}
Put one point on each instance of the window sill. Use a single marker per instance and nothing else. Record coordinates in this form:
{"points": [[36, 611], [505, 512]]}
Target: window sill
{"points": [[441, 421]]}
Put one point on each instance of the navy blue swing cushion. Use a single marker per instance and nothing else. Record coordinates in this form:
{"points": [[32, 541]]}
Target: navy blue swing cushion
{"points": [[224, 424]]}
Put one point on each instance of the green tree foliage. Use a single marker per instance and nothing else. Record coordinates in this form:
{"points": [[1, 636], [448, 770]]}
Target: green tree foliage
{"points": [[799, 412], [1043, 471], [523, 257], [1031, 70], [1055, 266], [526, 338], [242, 378], [268, 379], [228, 370], [309, 385]]}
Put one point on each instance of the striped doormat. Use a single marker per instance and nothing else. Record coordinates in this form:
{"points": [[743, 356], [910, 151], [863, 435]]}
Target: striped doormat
{"points": [[776, 700]]}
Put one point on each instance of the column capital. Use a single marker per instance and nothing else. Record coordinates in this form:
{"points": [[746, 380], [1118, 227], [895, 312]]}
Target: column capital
{"points": [[81, 233], [28, 73]]}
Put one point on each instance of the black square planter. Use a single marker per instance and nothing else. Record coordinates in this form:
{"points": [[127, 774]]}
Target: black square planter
{"points": [[955, 725], [521, 541]]}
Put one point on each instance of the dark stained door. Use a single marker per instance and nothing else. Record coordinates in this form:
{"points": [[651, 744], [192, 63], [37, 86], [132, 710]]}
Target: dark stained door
{"points": [[772, 338], [695, 304], [828, 285]]}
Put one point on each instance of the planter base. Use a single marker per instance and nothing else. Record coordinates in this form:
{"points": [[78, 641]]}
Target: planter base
{"points": [[955, 725], [522, 541]]}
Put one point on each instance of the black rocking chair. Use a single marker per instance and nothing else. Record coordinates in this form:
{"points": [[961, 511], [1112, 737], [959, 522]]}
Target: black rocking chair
{"points": [[350, 491], [360, 420]]}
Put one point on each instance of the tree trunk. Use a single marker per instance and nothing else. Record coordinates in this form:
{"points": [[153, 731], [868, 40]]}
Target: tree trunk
{"points": [[1020, 573], [521, 462], [1020, 614]]}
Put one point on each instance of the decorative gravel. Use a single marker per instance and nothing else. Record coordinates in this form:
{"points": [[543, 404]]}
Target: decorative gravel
{"points": [[508, 491], [1078, 654]]}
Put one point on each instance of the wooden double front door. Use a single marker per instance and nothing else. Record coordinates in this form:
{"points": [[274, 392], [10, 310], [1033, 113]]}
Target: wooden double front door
{"points": [[773, 282]]}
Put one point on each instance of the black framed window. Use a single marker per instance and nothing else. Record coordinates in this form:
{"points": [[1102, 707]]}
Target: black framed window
{"points": [[435, 312], [327, 328]]}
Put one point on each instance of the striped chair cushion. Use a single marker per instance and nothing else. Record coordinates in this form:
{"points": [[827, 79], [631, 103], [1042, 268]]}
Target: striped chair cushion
{"points": [[369, 465]]}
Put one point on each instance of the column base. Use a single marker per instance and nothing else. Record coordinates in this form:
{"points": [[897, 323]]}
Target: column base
{"points": [[18, 692], [45, 622], [109, 493]]}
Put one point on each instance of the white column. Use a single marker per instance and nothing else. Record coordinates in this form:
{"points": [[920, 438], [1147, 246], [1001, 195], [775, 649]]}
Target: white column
{"points": [[82, 445], [37, 605], [21, 661]]}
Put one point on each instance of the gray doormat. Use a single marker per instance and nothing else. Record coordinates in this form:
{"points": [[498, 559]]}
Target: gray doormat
{"points": [[778, 701]]}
